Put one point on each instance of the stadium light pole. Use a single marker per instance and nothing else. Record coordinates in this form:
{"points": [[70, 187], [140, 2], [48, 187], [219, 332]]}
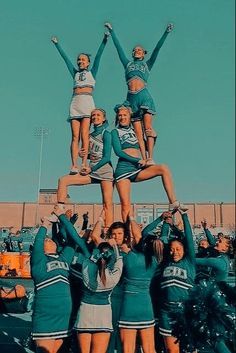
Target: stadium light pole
{"points": [[42, 133]]}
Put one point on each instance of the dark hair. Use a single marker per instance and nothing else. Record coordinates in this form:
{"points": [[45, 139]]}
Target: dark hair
{"points": [[106, 251], [140, 46], [123, 226], [86, 54]]}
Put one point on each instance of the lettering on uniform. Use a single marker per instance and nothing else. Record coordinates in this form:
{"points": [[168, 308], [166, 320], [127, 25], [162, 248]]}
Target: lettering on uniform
{"points": [[173, 271], [54, 265], [136, 67]]}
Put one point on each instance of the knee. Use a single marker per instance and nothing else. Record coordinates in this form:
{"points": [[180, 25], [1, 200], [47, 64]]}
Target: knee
{"points": [[164, 169], [62, 181], [150, 132]]}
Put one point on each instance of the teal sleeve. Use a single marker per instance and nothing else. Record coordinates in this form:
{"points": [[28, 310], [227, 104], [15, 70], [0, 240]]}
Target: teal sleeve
{"points": [[211, 239], [149, 228], [189, 238], [124, 60], [38, 249], [217, 263], [97, 59], [71, 231], [106, 156], [69, 64], [165, 231], [68, 253], [118, 150], [150, 62]]}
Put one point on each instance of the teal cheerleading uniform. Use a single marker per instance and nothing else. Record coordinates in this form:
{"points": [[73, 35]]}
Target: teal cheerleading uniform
{"points": [[141, 101], [95, 311], [127, 166], [52, 305], [136, 311], [82, 104], [176, 280], [100, 154]]}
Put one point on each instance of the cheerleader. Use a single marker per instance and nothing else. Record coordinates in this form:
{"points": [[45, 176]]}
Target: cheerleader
{"points": [[100, 273], [131, 167], [82, 102], [177, 279], [137, 317], [99, 171], [136, 74], [50, 272]]}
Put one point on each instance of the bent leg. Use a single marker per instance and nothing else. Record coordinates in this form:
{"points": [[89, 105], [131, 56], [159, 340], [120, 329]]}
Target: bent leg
{"points": [[107, 193], [124, 190], [74, 147], [68, 180], [138, 128], [159, 170], [149, 133], [128, 340]]}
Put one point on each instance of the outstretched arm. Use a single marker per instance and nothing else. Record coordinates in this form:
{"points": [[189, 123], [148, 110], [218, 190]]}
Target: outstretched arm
{"points": [[68, 63], [124, 60], [135, 230], [152, 59], [118, 150], [211, 239], [150, 227], [97, 58], [189, 238]]}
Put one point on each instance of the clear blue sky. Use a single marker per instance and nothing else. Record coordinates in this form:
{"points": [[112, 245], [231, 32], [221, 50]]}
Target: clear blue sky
{"points": [[192, 84]]}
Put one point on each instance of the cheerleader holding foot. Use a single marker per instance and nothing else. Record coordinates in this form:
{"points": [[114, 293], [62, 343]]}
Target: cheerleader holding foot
{"points": [[82, 102], [131, 167], [138, 96], [99, 170]]}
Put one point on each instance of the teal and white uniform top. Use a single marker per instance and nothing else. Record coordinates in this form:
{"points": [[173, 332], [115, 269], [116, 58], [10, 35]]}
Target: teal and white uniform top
{"points": [[140, 101], [95, 313], [82, 104], [137, 311], [137, 68], [176, 280], [127, 166], [100, 153]]}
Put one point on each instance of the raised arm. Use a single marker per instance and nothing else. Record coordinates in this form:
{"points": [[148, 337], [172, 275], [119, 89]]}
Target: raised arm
{"points": [[106, 153], [71, 231], [118, 150], [152, 59], [97, 230], [135, 230], [97, 58], [68, 63], [124, 60], [150, 227], [211, 239], [190, 251], [37, 254]]}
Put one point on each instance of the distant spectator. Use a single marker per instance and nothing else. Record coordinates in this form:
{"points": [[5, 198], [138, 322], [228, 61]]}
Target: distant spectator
{"points": [[85, 221]]}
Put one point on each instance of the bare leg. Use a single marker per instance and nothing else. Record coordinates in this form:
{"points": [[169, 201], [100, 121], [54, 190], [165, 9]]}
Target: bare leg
{"points": [[171, 345], [68, 180], [84, 132], [147, 122], [107, 193], [128, 340], [163, 171], [147, 340], [124, 189], [48, 346], [74, 147], [100, 342], [84, 341], [138, 128]]}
